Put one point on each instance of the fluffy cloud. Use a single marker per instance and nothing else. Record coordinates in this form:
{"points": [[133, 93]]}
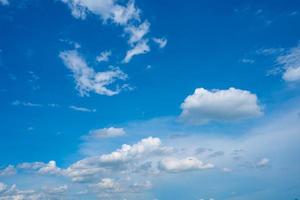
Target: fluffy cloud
{"points": [[105, 133], [162, 42], [87, 80], [128, 152], [8, 171], [291, 64], [186, 164], [41, 168], [13, 193], [108, 184], [104, 56], [219, 105]]}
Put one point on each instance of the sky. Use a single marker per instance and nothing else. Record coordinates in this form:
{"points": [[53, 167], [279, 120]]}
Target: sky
{"points": [[152, 100]]}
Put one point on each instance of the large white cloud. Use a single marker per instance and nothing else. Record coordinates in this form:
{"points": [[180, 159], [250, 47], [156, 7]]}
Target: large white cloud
{"points": [[87, 80], [187, 164], [219, 105]]}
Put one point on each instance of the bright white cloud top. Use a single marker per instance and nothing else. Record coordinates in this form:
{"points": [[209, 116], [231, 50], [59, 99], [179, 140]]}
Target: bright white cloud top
{"points": [[219, 105]]}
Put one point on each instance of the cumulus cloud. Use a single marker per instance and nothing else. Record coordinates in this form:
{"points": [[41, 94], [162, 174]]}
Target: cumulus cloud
{"points": [[186, 164], [105, 133], [87, 80], [129, 152], [82, 109], [104, 56], [8, 171], [291, 64], [161, 42], [108, 184], [41, 168], [219, 105], [13, 193]]}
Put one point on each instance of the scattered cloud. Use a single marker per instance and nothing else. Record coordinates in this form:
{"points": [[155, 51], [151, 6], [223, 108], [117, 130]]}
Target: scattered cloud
{"points": [[126, 16], [162, 42], [219, 105], [87, 80], [290, 61], [137, 33], [270, 51], [82, 109], [105, 133], [186, 164], [247, 61], [140, 48], [104, 56], [26, 104]]}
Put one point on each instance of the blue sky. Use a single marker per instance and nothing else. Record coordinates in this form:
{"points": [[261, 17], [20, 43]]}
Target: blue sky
{"points": [[118, 99]]}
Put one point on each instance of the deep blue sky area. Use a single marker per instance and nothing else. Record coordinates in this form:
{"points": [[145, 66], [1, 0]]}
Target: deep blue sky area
{"points": [[213, 75]]}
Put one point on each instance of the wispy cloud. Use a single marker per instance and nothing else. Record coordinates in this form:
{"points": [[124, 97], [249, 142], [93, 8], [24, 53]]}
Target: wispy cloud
{"points": [[104, 56], [29, 104], [88, 80], [82, 109], [162, 42]]}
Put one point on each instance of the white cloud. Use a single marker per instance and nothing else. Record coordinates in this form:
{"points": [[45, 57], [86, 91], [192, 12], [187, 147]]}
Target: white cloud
{"points": [[140, 48], [13, 193], [104, 56], [87, 80], [162, 42], [41, 168], [219, 105], [263, 162], [127, 16], [105, 133], [108, 184], [108, 10], [82, 109], [27, 104], [137, 33], [247, 61], [128, 152], [291, 64], [8, 171], [4, 2], [186, 164]]}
